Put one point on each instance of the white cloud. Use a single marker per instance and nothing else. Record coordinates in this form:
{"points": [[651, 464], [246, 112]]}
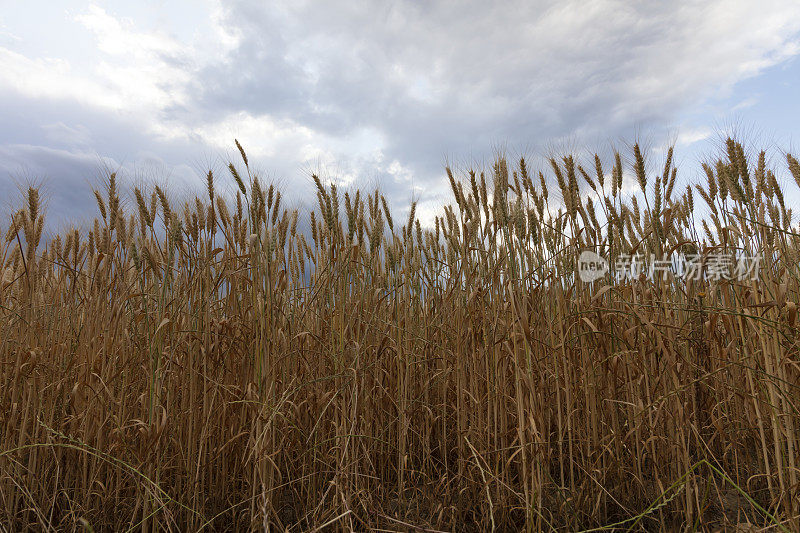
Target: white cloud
{"points": [[745, 104], [691, 136], [137, 73], [51, 78], [146, 71]]}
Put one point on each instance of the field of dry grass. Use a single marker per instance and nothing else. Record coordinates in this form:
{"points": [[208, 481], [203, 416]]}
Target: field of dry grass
{"points": [[207, 365]]}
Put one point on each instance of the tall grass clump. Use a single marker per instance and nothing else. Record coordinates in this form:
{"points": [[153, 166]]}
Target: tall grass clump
{"points": [[234, 364]]}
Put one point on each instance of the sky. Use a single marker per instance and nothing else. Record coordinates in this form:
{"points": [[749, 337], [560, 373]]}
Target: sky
{"points": [[376, 93]]}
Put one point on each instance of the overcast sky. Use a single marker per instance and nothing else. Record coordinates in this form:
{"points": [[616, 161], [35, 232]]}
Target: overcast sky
{"points": [[375, 93]]}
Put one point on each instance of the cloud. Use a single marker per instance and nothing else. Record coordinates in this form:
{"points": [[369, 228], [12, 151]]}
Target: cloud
{"points": [[692, 136], [746, 103], [383, 93], [23, 165], [453, 78], [60, 133]]}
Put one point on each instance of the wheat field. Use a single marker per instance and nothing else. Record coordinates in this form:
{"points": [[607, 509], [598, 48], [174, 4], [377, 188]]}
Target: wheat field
{"points": [[230, 364]]}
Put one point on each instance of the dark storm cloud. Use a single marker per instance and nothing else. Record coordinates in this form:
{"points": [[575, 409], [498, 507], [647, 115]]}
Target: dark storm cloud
{"points": [[69, 149]]}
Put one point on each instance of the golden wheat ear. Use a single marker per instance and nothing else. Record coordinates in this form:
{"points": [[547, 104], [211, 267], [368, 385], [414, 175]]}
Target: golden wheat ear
{"points": [[459, 376]]}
